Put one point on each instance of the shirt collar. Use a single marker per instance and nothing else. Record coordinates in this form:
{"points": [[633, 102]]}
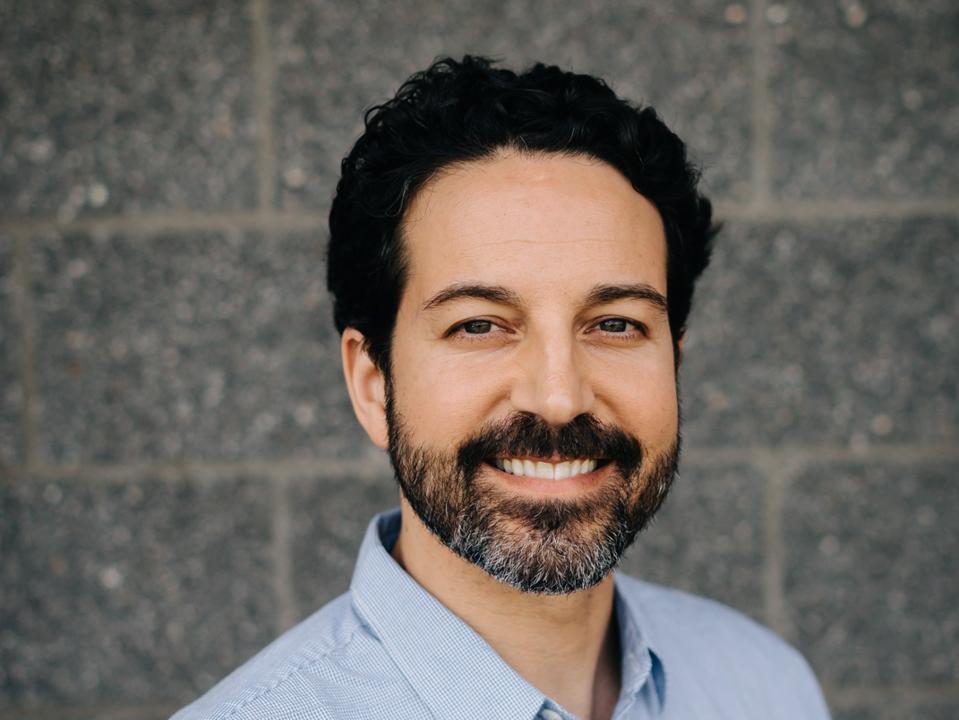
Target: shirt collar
{"points": [[437, 651], [641, 661]]}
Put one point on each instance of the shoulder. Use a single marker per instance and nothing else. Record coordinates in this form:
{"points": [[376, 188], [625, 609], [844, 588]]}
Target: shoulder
{"points": [[301, 668], [696, 619], [718, 644]]}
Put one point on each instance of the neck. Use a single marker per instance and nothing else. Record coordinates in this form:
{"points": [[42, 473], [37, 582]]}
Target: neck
{"points": [[566, 646]]}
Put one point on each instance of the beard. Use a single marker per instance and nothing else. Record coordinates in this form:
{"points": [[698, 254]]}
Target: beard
{"points": [[551, 546]]}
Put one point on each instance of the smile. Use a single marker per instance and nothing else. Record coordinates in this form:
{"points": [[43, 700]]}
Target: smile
{"points": [[547, 470]]}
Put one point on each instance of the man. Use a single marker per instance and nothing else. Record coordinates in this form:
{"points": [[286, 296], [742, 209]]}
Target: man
{"points": [[512, 260]]}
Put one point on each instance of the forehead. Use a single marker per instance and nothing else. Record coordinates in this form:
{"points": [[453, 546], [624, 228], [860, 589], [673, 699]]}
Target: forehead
{"points": [[534, 222]]}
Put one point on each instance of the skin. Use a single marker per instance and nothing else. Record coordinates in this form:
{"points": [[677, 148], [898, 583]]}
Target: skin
{"points": [[549, 228]]}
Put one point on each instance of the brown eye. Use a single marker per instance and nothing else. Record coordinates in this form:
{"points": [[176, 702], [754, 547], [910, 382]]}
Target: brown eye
{"points": [[477, 327], [614, 325]]}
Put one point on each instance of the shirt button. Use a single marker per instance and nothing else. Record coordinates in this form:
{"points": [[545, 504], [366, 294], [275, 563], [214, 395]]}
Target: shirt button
{"points": [[547, 714]]}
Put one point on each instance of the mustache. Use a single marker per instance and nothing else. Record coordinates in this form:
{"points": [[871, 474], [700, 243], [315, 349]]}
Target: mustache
{"points": [[526, 434]]}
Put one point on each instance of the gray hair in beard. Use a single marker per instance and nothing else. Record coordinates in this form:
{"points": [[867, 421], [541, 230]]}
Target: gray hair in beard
{"points": [[549, 546]]}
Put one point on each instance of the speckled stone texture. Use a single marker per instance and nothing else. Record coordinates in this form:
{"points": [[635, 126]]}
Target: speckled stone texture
{"points": [[865, 100], [197, 479], [329, 519], [843, 333], [130, 591], [708, 537], [871, 579], [216, 346], [696, 76], [11, 392], [119, 105]]}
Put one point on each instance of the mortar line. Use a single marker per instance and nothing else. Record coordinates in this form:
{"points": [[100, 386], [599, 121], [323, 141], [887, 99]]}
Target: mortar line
{"points": [[373, 468], [262, 219], [905, 453], [286, 611], [175, 220], [263, 99], [759, 106], [813, 210], [364, 469], [775, 557], [881, 695], [23, 302]]}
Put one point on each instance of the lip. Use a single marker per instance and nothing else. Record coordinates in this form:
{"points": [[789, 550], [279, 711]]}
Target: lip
{"points": [[576, 485]]}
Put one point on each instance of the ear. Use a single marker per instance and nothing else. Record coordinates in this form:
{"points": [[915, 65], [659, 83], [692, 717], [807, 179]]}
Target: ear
{"points": [[366, 385], [679, 350]]}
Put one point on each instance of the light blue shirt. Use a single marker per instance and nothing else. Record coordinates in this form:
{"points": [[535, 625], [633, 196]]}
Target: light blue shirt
{"points": [[387, 649]]}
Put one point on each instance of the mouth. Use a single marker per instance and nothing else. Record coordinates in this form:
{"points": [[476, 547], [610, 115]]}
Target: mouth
{"points": [[546, 469]]}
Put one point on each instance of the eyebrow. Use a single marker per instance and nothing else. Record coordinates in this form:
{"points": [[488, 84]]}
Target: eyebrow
{"points": [[598, 295], [493, 293], [602, 294]]}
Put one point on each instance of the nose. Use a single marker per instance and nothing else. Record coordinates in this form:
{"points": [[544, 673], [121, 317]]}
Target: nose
{"points": [[551, 382]]}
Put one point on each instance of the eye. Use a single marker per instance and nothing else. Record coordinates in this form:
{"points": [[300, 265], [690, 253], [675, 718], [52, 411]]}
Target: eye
{"points": [[614, 325], [477, 327], [476, 330], [622, 329]]}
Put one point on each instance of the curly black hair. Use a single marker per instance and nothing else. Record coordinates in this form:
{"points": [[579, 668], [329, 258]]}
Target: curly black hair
{"points": [[458, 111]]}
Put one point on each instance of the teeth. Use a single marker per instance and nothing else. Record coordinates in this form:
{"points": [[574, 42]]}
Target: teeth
{"points": [[545, 470]]}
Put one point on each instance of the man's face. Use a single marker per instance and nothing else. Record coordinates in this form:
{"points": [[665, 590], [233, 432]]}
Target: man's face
{"points": [[532, 404]]}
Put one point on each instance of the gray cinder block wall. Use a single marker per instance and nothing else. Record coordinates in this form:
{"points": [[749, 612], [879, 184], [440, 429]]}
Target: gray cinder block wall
{"points": [[182, 478]]}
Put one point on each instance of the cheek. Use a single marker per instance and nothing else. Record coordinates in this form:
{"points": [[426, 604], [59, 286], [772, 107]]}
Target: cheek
{"points": [[444, 399], [641, 396]]}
